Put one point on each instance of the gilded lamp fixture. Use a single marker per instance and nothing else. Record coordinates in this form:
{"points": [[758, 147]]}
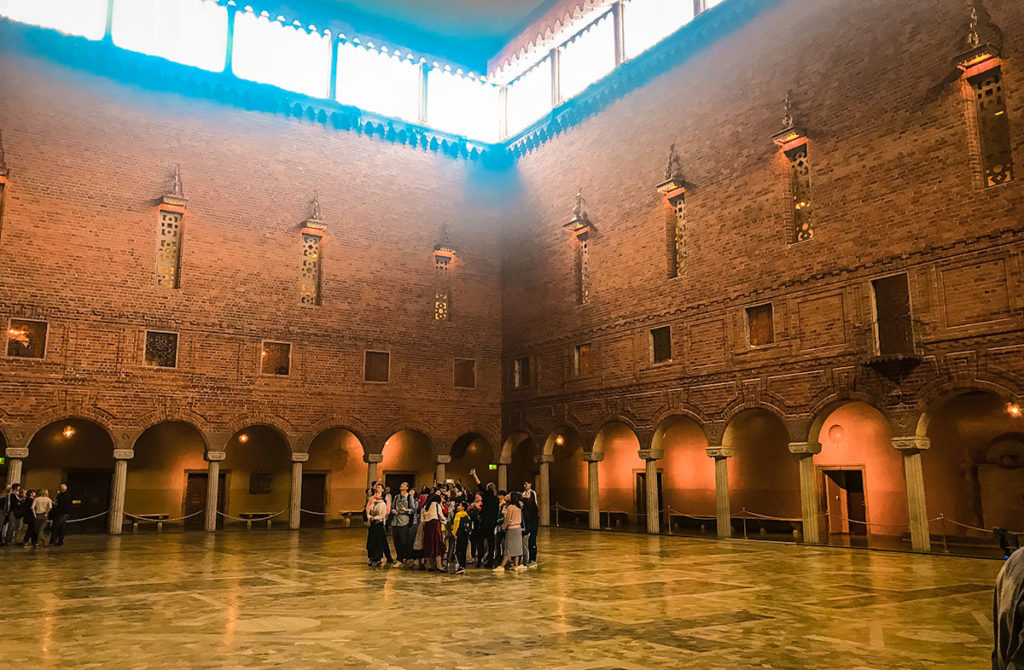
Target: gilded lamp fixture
{"points": [[673, 186], [790, 136], [984, 42]]}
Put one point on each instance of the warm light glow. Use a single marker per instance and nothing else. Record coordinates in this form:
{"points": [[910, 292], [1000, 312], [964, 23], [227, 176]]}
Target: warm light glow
{"points": [[192, 32], [243, 438], [1014, 410], [529, 97], [68, 432], [86, 18], [378, 82], [462, 106], [587, 58], [285, 56], [559, 440]]}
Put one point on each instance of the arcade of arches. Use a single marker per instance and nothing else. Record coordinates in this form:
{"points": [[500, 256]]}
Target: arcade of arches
{"points": [[846, 480]]}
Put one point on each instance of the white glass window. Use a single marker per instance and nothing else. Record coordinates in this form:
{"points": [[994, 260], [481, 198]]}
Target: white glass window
{"points": [[193, 32], [462, 106], [588, 57], [708, 4], [285, 56], [86, 18], [647, 22], [378, 82], [529, 97]]}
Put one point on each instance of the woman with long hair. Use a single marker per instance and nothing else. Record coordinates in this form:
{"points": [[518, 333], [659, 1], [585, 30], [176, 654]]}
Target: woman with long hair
{"points": [[376, 538], [433, 540]]}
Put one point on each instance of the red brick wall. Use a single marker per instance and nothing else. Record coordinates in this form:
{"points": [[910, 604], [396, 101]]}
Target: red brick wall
{"points": [[89, 157]]}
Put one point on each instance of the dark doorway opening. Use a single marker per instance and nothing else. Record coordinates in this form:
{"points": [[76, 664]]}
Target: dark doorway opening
{"points": [[393, 480], [845, 502], [640, 504], [314, 498], [195, 499], [90, 496]]}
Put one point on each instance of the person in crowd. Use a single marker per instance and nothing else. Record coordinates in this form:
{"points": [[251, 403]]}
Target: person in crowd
{"points": [[41, 507], [10, 509], [61, 511], [499, 529], [433, 539], [476, 543], [1008, 615], [403, 509], [461, 529], [531, 524], [28, 518], [376, 537], [513, 526], [488, 519], [377, 490]]}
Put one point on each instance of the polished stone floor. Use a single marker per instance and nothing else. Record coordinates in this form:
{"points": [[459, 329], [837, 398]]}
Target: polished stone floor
{"points": [[599, 600]]}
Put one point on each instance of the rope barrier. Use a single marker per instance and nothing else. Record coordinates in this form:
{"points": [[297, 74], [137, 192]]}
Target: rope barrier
{"points": [[88, 518], [744, 511], [145, 519], [255, 518], [309, 511]]}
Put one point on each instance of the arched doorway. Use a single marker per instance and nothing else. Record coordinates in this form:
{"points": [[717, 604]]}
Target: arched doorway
{"points": [[168, 467], [859, 478], [408, 457], [621, 477], [470, 451], [333, 479], [257, 466], [568, 477], [522, 462], [764, 479], [689, 475], [79, 453], [974, 468]]}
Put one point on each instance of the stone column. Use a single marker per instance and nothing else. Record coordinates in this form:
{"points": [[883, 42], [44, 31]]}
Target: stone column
{"points": [[439, 469], [723, 511], [544, 494], [593, 489], [810, 505], [116, 517], [371, 467], [295, 500], [911, 448], [213, 459], [503, 476], [651, 458], [15, 456]]}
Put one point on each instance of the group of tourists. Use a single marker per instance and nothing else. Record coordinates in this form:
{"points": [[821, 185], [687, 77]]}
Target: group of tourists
{"points": [[33, 509], [446, 527]]}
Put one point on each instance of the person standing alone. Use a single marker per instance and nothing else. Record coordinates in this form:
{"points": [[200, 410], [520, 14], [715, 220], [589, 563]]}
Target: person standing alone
{"points": [[60, 514]]}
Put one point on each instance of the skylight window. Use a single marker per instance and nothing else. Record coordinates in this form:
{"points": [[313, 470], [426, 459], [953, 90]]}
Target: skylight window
{"points": [[647, 22], [529, 97], [285, 56], [192, 32], [385, 83], [588, 57], [85, 18], [462, 106]]}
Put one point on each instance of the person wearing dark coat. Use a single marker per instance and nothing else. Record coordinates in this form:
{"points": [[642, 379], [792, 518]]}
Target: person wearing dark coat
{"points": [[488, 518], [61, 512], [1008, 615]]}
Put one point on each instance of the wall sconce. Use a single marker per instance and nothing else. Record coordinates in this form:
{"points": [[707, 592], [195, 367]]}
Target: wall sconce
{"points": [[1014, 410], [673, 186], [68, 432], [443, 252], [243, 438], [790, 136], [559, 440], [314, 225], [579, 225], [982, 52], [175, 201]]}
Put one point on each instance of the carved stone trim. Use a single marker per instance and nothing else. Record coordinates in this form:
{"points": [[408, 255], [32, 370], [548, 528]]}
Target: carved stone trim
{"points": [[16, 452], [911, 444], [651, 454], [373, 458], [720, 452], [592, 457], [545, 458], [299, 457], [216, 455], [124, 454], [804, 448], [444, 459]]}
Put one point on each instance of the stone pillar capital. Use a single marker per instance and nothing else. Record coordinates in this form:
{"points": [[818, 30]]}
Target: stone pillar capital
{"points": [[444, 459], [717, 452], [911, 444], [216, 456], [124, 454], [300, 443], [217, 440], [373, 458], [545, 458], [16, 452], [804, 448], [651, 454], [505, 460], [593, 457], [299, 457]]}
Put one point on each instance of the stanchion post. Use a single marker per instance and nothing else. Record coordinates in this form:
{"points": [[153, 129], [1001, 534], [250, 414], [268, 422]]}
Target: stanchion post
{"points": [[945, 547], [556, 515], [743, 511]]}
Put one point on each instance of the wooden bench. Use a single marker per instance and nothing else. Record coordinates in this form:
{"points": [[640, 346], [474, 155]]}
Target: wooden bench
{"points": [[256, 516], [158, 518]]}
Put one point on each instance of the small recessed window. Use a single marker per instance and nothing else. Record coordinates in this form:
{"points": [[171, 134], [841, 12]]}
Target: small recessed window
{"points": [[26, 338], [161, 349], [582, 360], [377, 366], [276, 358], [661, 344], [465, 373], [760, 325], [260, 483], [521, 372]]}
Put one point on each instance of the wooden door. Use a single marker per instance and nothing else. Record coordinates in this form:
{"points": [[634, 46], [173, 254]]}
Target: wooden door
{"points": [[836, 502], [313, 499], [195, 499], [90, 496]]}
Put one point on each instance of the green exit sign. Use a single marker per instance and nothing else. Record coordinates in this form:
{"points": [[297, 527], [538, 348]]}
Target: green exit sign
{"points": [[492, 466], [3, 459]]}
